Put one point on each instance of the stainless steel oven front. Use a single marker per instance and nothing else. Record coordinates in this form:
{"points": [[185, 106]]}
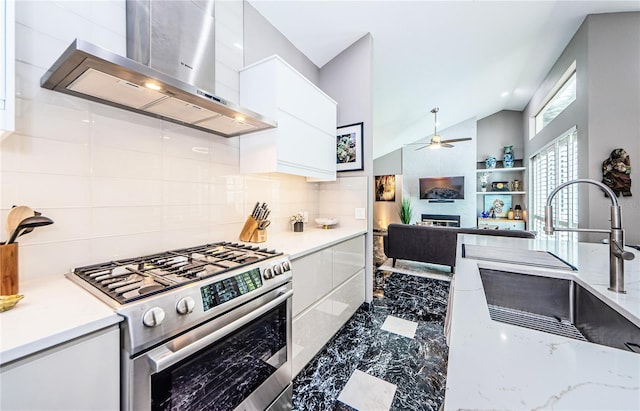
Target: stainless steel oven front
{"points": [[239, 360]]}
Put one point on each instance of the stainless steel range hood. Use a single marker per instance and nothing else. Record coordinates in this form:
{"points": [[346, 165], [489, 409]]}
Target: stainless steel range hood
{"points": [[91, 72]]}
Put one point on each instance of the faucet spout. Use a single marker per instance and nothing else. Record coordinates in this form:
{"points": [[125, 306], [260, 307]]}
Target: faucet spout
{"points": [[617, 254]]}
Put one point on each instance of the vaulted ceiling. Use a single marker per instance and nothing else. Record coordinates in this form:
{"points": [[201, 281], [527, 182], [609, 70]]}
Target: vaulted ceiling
{"points": [[469, 58]]}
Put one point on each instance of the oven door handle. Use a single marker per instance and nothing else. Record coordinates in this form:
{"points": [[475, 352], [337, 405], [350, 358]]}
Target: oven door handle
{"points": [[164, 358]]}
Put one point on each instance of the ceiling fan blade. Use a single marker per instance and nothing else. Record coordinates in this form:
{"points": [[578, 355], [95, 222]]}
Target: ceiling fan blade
{"points": [[420, 148], [444, 144], [455, 140]]}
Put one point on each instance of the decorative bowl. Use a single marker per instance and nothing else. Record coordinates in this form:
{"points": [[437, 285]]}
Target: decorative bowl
{"points": [[326, 222], [7, 302]]}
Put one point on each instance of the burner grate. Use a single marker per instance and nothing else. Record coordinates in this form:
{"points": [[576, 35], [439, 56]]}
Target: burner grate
{"points": [[132, 279]]}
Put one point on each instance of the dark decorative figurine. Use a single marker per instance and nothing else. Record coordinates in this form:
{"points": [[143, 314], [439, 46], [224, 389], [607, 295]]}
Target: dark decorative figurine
{"points": [[616, 172]]}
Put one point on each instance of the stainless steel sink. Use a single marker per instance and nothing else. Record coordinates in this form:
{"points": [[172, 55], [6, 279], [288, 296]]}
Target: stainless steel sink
{"points": [[557, 306]]}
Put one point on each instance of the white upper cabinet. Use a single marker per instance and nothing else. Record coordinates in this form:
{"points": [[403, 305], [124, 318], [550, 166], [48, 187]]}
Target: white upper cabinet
{"points": [[304, 143], [7, 68]]}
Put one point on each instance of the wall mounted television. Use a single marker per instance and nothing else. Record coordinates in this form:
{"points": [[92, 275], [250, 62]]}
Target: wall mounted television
{"points": [[442, 188]]}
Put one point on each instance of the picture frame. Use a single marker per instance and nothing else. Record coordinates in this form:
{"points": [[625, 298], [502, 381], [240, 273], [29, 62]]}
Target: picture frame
{"points": [[349, 147], [385, 188], [501, 203]]}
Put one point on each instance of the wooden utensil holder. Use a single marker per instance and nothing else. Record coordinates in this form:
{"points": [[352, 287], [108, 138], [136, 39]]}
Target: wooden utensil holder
{"points": [[250, 232], [9, 269], [259, 236]]}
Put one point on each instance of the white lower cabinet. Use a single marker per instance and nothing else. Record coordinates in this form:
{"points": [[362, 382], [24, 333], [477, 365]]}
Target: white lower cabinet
{"points": [[328, 287], [83, 374]]}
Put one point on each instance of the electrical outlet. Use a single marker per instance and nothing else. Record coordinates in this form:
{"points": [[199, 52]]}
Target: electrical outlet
{"points": [[360, 214], [305, 216]]}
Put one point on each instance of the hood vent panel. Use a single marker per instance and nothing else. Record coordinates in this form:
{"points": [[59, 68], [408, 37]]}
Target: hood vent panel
{"points": [[88, 71]]}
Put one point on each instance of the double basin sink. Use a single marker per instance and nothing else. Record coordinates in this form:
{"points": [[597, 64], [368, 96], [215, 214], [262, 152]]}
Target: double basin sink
{"points": [[557, 306]]}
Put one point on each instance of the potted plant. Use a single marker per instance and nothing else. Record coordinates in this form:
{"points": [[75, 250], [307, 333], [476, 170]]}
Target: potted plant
{"points": [[404, 211], [297, 221]]}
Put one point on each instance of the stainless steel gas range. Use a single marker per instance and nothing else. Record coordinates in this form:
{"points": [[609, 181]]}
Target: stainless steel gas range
{"points": [[206, 328]]}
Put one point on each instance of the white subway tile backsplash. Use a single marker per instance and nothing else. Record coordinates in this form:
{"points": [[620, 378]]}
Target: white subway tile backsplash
{"points": [[47, 51], [224, 154], [39, 155], [114, 192], [69, 224], [114, 221], [112, 127], [52, 121], [114, 162], [184, 193], [59, 258], [185, 216], [44, 190]]}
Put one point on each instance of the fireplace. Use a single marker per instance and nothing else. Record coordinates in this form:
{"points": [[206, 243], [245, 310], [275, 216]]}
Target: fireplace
{"points": [[444, 220]]}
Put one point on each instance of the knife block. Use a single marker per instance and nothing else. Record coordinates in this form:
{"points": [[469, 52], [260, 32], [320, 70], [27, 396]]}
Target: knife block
{"points": [[9, 269], [250, 232]]}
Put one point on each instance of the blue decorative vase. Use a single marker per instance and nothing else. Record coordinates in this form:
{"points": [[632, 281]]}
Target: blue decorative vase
{"points": [[490, 162], [507, 158]]}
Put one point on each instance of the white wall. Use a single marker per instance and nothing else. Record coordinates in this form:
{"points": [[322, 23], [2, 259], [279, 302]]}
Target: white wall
{"points": [[457, 161], [117, 184]]}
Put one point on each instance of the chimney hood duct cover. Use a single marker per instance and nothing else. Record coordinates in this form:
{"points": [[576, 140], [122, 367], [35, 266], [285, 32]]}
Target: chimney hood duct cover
{"points": [[91, 72]]}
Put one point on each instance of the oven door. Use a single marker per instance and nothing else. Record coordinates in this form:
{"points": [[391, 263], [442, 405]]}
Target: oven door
{"points": [[238, 361]]}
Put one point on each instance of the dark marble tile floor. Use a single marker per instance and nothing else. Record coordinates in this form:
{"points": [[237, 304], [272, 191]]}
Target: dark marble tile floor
{"points": [[416, 366]]}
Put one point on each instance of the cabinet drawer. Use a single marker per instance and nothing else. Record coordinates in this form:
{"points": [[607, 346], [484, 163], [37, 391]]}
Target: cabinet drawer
{"points": [[310, 333], [347, 299]]}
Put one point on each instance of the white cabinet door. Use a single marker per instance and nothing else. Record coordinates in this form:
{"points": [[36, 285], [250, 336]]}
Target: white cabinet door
{"points": [[348, 258], [304, 141], [83, 374], [311, 279]]}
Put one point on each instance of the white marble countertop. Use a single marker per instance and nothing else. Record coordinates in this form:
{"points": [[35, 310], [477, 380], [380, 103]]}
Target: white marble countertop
{"points": [[496, 366], [53, 311], [312, 239]]}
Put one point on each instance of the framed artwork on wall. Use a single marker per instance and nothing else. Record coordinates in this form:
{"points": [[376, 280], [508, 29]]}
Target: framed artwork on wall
{"points": [[500, 203], [386, 188], [349, 150]]}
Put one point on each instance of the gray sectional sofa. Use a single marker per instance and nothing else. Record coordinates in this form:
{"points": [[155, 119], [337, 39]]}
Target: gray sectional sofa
{"points": [[433, 244]]}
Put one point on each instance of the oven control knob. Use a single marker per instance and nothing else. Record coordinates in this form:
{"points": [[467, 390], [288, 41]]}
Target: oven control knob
{"points": [[153, 317], [286, 266], [277, 269], [185, 305], [268, 273]]}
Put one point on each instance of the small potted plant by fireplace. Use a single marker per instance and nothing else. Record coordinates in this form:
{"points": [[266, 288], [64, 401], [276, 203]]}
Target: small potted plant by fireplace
{"points": [[297, 221], [405, 212]]}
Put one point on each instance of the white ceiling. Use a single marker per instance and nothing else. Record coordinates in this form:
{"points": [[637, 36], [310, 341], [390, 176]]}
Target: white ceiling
{"points": [[469, 58]]}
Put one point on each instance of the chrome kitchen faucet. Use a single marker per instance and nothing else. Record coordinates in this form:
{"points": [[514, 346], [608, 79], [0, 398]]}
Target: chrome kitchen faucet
{"points": [[617, 255]]}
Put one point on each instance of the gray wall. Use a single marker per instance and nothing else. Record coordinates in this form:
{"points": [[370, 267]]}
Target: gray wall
{"points": [[606, 49], [348, 79], [390, 163], [262, 40], [498, 130]]}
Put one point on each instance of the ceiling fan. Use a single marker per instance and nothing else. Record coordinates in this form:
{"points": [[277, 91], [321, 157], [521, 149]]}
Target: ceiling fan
{"points": [[436, 142]]}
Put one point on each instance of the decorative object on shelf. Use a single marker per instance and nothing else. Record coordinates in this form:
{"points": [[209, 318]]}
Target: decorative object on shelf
{"points": [[405, 211], [500, 186], [516, 185], [386, 188], [517, 214], [326, 222], [510, 214], [349, 151], [485, 214], [436, 141], [616, 172], [497, 204], [507, 157], [484, 180], [490, 162], [297, 221]]}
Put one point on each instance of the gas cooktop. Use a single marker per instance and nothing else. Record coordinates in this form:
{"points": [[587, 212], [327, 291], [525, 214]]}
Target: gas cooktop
{"points": [[132, 279]]}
